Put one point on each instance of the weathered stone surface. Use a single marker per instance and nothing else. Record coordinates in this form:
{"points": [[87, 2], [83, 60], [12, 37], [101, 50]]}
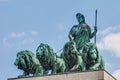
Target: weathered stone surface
{"points": [[86, 75]]}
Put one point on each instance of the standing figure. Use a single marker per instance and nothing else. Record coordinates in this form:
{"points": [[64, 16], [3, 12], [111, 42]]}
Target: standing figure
{"points": [[81, 33]]}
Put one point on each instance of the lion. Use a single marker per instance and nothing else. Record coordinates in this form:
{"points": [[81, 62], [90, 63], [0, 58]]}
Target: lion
{"points": [[27, 62], [49, 60], [72, 57], [92, 58]]}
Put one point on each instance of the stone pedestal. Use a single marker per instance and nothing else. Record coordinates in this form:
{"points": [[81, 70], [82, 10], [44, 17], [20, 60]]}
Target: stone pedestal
{"points": [[86, 75]]}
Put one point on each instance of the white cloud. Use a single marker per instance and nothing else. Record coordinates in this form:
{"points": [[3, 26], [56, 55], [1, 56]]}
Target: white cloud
{"points": [[111, 40], [17, 35], [10, 39], [109, 30], [18, 38], [116, 74]]}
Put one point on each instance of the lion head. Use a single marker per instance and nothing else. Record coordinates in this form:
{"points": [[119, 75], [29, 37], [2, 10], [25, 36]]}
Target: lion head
{"points": [[92, 57], [24, 59], [69, 54], [90, 52], [45, 55], [27, 62], [49, 60]]}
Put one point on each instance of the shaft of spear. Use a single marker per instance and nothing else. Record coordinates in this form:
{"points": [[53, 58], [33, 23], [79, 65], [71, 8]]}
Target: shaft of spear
{"points": [[95, 24]]}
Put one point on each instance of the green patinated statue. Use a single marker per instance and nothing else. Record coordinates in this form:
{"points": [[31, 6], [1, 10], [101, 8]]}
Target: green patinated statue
{"points": [[72, 58], [79, 54], [27, 62], [49, 60], [81, 33], [92, 58]]}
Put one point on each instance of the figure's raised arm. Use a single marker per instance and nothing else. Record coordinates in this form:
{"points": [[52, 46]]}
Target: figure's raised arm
{"points": [[93, 33]]}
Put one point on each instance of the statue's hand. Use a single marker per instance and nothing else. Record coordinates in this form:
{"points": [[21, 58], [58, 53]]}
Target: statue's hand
{"points": [[71, 37], [95, 28]]}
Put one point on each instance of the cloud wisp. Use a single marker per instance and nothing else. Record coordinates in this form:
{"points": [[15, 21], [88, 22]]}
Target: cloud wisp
{"points": [[110, 40], [21, 38], [17, 35]]}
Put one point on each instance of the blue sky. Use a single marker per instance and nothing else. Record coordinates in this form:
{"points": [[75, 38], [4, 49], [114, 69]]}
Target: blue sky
{"points": [[27, 23]]}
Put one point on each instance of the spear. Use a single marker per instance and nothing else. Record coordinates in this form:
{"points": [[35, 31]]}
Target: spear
{"points": [[95, 24]]}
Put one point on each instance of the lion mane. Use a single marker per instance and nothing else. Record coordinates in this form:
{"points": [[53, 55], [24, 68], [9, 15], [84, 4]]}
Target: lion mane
{"points": [[92, 58], [72, 57], [49, 60], [27, 62]]}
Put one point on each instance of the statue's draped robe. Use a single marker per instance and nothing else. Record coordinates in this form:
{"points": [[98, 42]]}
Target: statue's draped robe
{"points": [[82, 34]]}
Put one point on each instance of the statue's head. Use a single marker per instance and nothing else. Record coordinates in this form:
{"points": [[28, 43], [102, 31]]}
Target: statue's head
{"points": [[80, 17], [23, 59], [44, 51], [41, 51], [70, 54], [70, 46], [27, 62], [70, 50], [92, 51]]}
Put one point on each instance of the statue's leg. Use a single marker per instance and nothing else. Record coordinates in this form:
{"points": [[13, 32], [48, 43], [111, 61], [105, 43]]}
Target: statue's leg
{"points": [[62, 68], [102, 63], [38, 70], [62, 65], [54, 69], [82, 64]]}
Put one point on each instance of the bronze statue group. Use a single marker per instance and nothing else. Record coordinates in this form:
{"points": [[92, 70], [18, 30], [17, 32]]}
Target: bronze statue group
{"points": [[78, 54]]}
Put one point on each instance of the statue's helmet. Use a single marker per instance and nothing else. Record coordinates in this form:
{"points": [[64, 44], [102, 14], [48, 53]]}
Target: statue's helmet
{"points": [[80, 17]]}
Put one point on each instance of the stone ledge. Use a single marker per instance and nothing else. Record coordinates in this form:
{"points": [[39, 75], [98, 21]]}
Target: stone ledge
{"points": [[86, 75]]}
